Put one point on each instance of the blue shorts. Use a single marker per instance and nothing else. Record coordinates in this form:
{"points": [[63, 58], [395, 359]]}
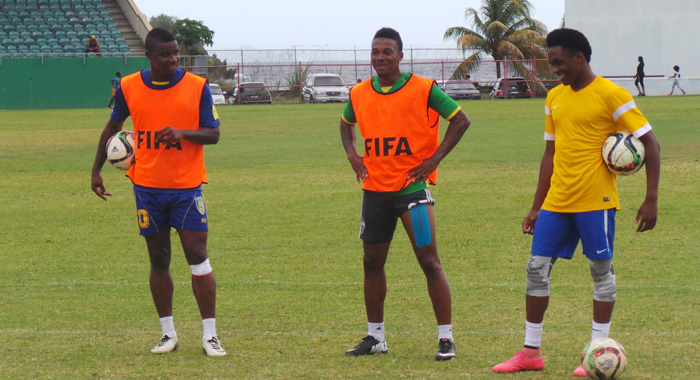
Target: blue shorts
{"points": [[160, 209], [557, 234]]}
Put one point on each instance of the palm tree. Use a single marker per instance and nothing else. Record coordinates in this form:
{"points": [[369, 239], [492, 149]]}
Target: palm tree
{"points": [[505, 30]]}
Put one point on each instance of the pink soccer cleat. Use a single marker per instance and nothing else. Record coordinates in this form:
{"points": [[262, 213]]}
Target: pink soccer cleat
{"points": [[580, 372], [520, 362]]}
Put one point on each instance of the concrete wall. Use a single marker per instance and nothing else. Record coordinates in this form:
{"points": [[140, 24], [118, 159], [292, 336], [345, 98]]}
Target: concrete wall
{"points": [[665, 33]]}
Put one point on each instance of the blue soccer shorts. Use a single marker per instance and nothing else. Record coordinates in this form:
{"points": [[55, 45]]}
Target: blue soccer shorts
{"points": [[160, 209], [557, 234]]}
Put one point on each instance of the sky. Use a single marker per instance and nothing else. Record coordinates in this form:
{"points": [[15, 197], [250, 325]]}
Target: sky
{"points": [[267, 24]]}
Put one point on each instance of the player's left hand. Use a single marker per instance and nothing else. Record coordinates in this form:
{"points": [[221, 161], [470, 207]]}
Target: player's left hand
{"points": [[170, 135], [646, 216], [421, 172]]}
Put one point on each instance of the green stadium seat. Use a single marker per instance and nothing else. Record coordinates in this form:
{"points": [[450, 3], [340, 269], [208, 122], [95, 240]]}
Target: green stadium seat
{"points": [[124, 48], [3, 49], [8, 42], [41, 41]]}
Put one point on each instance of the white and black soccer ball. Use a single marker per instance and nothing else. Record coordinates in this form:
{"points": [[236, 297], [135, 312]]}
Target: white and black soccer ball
{"points": [[120, 150], [604, 359], [623, 153]]}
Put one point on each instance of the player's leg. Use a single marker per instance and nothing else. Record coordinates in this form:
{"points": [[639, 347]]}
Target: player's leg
{"points": [[419, 222], [153, 226], [555, 236], [189, 216], [597, 229], [161, 285], [376, 231]]}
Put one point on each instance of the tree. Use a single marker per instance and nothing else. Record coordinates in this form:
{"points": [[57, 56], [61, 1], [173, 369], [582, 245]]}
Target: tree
{"points": [[192, 35], [163, 21], [505, 30]]}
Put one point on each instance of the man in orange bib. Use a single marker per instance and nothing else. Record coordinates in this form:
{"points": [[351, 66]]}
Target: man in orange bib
{"points": [[398, 115], [174, 117]]}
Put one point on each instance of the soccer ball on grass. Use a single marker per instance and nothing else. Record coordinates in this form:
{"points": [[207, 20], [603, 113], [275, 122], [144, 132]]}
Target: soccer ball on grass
{"points": [[120, 150], [623, 153], [604, 359]]}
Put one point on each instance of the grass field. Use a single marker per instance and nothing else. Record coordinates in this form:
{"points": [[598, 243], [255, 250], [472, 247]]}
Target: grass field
{"points": [[284, 214]]}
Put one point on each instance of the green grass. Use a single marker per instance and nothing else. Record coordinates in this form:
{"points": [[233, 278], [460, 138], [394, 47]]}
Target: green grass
{"points": [[284, 214]]}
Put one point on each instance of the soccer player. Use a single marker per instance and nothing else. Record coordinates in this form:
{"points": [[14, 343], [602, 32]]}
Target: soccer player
{"points": [[115, 85], [174, 117], [576, 196], [398, 116]]}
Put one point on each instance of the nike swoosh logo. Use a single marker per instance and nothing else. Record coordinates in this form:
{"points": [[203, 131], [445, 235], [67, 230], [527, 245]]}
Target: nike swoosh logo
{"points": [[601, 251], [555, 107]]}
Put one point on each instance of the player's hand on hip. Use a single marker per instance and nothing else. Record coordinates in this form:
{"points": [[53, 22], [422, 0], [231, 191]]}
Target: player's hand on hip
{"points": [[358, 165], [422, 172]]}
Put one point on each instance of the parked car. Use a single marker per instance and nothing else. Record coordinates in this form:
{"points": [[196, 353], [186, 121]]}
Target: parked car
{"points": [[461, 89], [517, 88], [217, 94], [324, 88], [249, 93]]}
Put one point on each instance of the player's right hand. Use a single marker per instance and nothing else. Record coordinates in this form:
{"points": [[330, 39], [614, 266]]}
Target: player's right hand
{"points": [[99, 188], [358, 165]]}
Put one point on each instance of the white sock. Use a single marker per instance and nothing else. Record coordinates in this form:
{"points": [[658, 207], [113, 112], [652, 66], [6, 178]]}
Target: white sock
{"points": [[167, 326], [533, 334], [376, 330], [445, 332], [599, 330], [208, 328]]}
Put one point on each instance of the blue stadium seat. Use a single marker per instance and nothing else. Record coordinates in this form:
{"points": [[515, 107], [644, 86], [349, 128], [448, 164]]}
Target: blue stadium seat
{"points": [[8, 42], [3, 49]]}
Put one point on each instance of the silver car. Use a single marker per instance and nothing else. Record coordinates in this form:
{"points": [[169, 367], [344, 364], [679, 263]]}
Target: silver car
{"points": [[461, 89], [325, 88]]}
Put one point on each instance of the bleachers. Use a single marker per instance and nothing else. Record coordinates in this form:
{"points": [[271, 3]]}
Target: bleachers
{"points": [[57, 27]]}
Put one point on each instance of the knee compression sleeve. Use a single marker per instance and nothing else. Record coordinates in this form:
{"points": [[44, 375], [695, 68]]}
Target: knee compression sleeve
{"points": [[604, 287], [538, 270], [201, 269]]}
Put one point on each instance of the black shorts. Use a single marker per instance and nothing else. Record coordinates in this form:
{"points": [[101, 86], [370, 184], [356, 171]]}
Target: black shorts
{"points": [[639, 80], [381, 211]]}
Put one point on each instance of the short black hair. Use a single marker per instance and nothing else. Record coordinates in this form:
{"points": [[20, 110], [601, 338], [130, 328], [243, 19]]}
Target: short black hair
{"points": [[390, 34], [570, 39], [157, 35], [118, 74], [676, 68]]}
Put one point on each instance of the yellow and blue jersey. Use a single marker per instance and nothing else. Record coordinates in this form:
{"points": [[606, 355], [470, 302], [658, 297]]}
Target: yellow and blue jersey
{"points": [[579, 122]]}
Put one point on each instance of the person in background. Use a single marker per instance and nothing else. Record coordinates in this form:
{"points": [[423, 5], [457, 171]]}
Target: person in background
{"points": [[639, 77], [115, 85], [93, 46], [676, 79]]}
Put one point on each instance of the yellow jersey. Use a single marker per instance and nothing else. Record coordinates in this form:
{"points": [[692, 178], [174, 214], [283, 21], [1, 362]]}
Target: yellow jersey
{"points": [[579, 122]]}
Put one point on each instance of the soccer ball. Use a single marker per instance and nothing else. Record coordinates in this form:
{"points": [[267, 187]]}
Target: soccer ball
{"points": [[120, 150], [604, 359], [623, 153]]}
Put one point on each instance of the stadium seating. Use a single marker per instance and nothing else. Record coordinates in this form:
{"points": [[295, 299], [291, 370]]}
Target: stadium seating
{"points": [[36, 27]]}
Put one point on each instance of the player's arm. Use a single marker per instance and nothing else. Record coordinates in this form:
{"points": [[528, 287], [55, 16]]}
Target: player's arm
{"points": [[208, 132], [543, 183], [459, 123], [348, 136], [109, 130], [647, 213]]}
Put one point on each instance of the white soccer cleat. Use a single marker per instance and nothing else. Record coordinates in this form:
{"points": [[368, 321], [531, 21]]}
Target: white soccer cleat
{"points": [[166, 344], [212, 347]]}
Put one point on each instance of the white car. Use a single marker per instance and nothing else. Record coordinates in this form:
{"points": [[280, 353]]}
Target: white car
{"points": [[217, 94], [325, 88]]}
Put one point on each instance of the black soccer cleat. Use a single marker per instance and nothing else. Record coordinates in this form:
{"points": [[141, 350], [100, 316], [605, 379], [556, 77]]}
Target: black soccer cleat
{"points": [[368, 346], [446, 350]]}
